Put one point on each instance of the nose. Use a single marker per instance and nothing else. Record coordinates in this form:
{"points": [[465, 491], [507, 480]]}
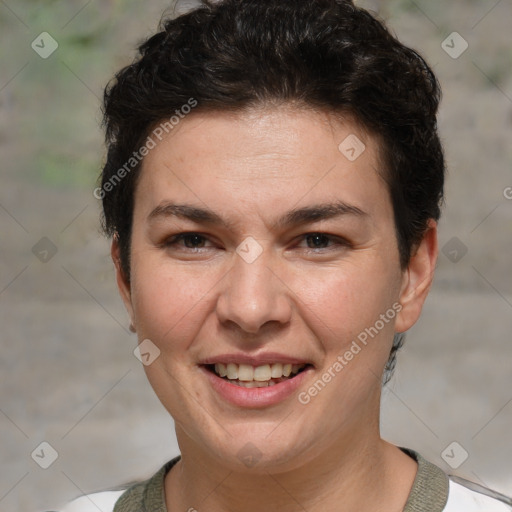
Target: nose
{"points": [[253, 295]]}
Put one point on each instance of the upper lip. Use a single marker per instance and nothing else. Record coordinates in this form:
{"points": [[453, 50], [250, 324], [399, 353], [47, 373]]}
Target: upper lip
{"points": [[259, 360]]}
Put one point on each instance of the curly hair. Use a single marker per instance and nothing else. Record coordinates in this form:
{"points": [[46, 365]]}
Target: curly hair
{"points": [[327, 54]]}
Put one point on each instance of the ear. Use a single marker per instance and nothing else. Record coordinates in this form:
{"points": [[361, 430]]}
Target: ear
{"points": [[417, 279], [123, 283]]}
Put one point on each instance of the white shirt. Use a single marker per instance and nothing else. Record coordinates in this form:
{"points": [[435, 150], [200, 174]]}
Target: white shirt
{"points": [[460, 499]]}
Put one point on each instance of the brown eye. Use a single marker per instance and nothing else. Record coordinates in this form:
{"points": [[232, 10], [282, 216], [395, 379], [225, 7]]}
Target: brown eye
{"points": [[322, 243], [317, 240], [193, 240], [187, 240]]}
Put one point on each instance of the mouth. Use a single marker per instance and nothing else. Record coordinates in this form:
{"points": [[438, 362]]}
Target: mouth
{"points": [[248, 376]]}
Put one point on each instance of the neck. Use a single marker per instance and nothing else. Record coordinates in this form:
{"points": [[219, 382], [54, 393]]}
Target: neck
{"points": [[361, 473]]}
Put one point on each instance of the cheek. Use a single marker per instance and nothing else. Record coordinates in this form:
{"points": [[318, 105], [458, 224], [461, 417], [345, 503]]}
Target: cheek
{"points": [[344, 302], [169, 303], [344, 312]]}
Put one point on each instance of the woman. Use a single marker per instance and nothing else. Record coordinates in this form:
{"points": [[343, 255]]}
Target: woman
{"points": [[272, 189]]}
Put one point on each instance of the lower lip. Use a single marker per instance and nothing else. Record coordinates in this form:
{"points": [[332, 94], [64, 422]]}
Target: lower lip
{"points": [[255, 397]]}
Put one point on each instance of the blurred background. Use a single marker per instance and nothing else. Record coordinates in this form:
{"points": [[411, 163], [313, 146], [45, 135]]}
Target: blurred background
{"points": [[67, 370]]}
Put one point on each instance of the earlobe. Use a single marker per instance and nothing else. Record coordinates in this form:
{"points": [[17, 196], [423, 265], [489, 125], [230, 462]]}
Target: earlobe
{"points": [[417, 279], [123, 284]]}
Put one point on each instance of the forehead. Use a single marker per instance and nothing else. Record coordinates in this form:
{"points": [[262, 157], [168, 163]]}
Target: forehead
{"points": [[263, 159]]}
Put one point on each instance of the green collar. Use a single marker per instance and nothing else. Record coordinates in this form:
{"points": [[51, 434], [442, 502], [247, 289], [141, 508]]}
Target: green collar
{"points": [[147, 496], [429, 492]]}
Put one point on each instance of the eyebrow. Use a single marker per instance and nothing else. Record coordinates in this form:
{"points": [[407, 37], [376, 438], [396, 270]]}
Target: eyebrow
{"points": [[298, 216]]}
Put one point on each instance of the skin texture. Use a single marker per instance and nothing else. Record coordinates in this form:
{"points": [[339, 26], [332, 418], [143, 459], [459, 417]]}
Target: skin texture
{"points": [[198, 298]]}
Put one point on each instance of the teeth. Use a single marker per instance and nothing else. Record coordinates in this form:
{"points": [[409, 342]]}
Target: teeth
{"points": [[253, 384], [250, 376], [276, 371], [262, 373], [232, 370], [221, 369], [245, 372]]}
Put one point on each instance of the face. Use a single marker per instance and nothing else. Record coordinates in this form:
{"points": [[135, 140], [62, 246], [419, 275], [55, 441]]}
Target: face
{"points": [[257, 243]]}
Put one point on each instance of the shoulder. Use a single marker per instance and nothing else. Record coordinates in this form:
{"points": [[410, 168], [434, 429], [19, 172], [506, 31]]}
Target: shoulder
{"points": [[435, 491], [145, 495], [466, 496], [104, 501]]}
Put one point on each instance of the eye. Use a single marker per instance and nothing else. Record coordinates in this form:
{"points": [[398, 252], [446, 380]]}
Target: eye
{"points": [[192, 241], [317, 240], [323, 241]]}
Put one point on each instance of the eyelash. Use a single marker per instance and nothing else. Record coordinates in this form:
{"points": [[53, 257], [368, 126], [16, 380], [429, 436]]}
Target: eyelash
{"points": [[174, 241]]}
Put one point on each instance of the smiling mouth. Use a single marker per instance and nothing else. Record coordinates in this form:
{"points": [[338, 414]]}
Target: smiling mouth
{"points": [[247, 376]]}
